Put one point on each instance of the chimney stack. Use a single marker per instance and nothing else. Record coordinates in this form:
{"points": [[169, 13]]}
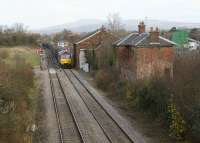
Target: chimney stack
{"points": [[154, 35], [141, 27]]}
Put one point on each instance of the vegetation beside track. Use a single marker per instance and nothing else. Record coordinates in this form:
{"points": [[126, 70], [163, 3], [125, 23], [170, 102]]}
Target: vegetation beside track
{"points": [[18, 94], [8, 55], [174, 104]]}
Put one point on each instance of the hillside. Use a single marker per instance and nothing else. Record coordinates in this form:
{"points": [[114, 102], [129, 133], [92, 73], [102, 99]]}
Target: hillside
{"points": [[87, 25]]}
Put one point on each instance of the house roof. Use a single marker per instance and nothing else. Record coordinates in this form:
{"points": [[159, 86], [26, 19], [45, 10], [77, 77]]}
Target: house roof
{"points": [[142, 40], [90, 35], [195, 34], [192, 40]]}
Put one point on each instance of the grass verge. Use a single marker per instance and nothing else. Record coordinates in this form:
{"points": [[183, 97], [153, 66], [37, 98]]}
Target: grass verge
{"points": [[19, 94], [28, 53]]}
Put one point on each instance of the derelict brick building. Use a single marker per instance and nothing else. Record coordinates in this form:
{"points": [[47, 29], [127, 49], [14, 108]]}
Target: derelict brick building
{"points": [[142, 55]]}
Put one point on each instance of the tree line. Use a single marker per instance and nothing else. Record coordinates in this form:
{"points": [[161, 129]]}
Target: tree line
{"points": [[17, 35]]}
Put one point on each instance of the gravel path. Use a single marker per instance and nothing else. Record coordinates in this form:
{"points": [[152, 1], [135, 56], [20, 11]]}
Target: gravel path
{"points": [[51, 124]]}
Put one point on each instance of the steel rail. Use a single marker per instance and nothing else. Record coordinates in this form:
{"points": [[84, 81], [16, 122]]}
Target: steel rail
{"points": [[110, 140], [55, 105], [101, 106], [53, 61], [67, 102]]}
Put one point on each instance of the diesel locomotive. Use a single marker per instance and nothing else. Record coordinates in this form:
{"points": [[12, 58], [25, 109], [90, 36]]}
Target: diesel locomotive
{"points": [[63, 53]]}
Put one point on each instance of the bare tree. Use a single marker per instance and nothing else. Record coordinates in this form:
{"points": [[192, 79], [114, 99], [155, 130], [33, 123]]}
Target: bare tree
{"points": [[114, 22], [19, 27], [115, 25]]}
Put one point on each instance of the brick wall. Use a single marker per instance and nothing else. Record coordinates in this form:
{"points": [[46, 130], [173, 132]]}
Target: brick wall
{"points": [[126, 62], [139, 63], [154, 61], [91, 42]]}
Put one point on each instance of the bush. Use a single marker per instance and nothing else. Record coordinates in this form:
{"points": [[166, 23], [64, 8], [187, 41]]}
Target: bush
{"points": [[106, 78], [195, 123], [4, 54], [177, 124], [102, 55], [180, 112], [186, 90], [153, 96], [120, 88]]}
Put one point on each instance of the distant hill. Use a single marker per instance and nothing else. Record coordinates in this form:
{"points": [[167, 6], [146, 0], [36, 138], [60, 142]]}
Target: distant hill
{"points": [[87, 25], [164, 25]]}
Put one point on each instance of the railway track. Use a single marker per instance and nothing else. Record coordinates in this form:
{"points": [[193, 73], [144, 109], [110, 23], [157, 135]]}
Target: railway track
{"points": [[67, 127], [56, 112], [122, 123], [60, 132], [110, 127], [80, 117]]}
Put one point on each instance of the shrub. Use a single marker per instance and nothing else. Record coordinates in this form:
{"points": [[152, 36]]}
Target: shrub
{"points": [[187, 91], [4, 54], [106, 78], [195, 123], [177, 124], [181, 112], [102, 55], [102, 80], [120, 88], [153, 96]]}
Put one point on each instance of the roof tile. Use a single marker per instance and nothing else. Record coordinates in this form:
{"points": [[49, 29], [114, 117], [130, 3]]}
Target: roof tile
{"points": [[142, 40]]}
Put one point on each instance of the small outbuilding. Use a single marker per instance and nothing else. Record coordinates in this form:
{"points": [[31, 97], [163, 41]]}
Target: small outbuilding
{"points": [[193, 44], [194, 39], [92, 39], [144, 54]]}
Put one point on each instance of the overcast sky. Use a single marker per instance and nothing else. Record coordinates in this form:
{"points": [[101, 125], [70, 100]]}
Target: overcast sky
{"points": [[44, 13]]}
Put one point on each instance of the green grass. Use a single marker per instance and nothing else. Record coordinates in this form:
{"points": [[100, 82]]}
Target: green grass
{"points": [[29, 54]]}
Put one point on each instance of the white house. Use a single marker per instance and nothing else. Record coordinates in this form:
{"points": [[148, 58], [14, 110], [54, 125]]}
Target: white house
{"points": [[62, 44], [193, 44]]}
